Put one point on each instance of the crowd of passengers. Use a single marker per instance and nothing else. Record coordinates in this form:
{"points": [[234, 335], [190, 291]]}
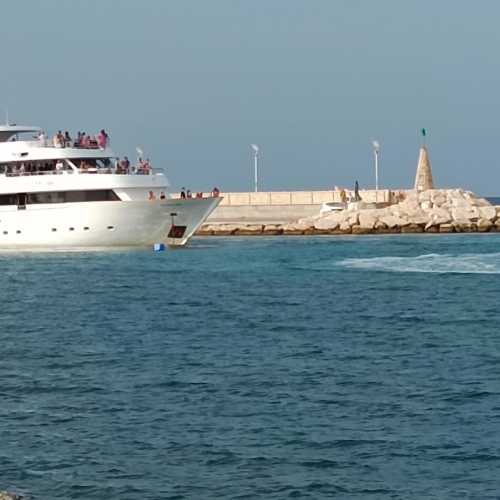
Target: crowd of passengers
{"points": [[143, 167], [34, 168], [186, 193], [121, 166], [82, 140]]}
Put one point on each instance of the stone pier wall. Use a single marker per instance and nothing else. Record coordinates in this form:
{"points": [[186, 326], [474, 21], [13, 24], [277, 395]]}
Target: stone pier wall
{"points": [[278, 207]]}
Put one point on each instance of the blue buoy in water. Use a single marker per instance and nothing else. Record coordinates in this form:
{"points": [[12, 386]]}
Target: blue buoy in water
{"points": [[159, 247]]}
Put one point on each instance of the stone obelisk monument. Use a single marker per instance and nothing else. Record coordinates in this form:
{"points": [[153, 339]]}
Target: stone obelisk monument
{"points": [[423, 179]]}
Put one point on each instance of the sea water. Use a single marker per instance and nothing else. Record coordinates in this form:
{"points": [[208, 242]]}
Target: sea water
{"points": [[299, 367]]}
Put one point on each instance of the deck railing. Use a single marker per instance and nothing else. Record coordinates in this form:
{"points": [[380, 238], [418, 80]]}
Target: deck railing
{"points": [[48, 143], [89, 171]]}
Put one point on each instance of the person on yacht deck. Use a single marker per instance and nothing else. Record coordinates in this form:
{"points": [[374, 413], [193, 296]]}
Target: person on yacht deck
{"points": [[42, 137], [85, 140], [140, 166], [126, 164], [59, 140], [102, 139], [67, 139]]}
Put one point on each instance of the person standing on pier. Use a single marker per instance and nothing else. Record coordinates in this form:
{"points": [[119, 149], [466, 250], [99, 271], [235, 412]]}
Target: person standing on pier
{"points": [[356, 192]]}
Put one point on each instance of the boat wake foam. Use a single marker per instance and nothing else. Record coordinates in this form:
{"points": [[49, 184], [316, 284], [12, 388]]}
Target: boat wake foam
{"points": [[430, 263]]}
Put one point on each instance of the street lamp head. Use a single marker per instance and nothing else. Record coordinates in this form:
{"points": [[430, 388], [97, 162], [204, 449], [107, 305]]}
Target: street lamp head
{"points": [[376, 146], [255, 147]]}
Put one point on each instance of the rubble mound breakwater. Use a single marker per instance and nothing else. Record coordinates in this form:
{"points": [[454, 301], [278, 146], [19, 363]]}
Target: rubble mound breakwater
{"points": [[429, 211]]}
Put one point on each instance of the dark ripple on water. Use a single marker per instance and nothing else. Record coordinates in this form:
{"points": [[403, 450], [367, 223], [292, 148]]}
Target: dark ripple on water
{"points": [[254, 368]]}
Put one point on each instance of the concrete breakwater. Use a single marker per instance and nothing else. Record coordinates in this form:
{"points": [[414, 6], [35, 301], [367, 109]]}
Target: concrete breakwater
{"points": [[431, 211], [280, 207]]}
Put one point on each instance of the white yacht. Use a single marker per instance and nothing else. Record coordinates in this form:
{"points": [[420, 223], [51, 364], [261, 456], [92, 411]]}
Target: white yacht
{"points": [[62, 193]]}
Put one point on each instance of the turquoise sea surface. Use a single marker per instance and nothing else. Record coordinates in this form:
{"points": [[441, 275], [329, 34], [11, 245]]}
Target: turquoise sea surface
{"points": [[240, 368]]}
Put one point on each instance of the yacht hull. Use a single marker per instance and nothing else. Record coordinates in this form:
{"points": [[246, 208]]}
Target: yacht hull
{"points": [[103, 224]]}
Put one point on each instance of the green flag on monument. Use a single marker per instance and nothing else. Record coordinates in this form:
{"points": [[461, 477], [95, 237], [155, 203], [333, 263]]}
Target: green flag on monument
{"points": [[423, 132]]}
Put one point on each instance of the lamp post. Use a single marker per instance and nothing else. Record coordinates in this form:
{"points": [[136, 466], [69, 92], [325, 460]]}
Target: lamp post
{"points": [[376, 151], [256, 165]]}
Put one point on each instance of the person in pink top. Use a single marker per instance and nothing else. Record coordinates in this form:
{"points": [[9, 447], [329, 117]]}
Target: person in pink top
{"points": [[102, 139], [84, 140]]}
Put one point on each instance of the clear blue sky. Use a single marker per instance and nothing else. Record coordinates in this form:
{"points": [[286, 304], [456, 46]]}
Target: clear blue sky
{"points": [[310, 81]]}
